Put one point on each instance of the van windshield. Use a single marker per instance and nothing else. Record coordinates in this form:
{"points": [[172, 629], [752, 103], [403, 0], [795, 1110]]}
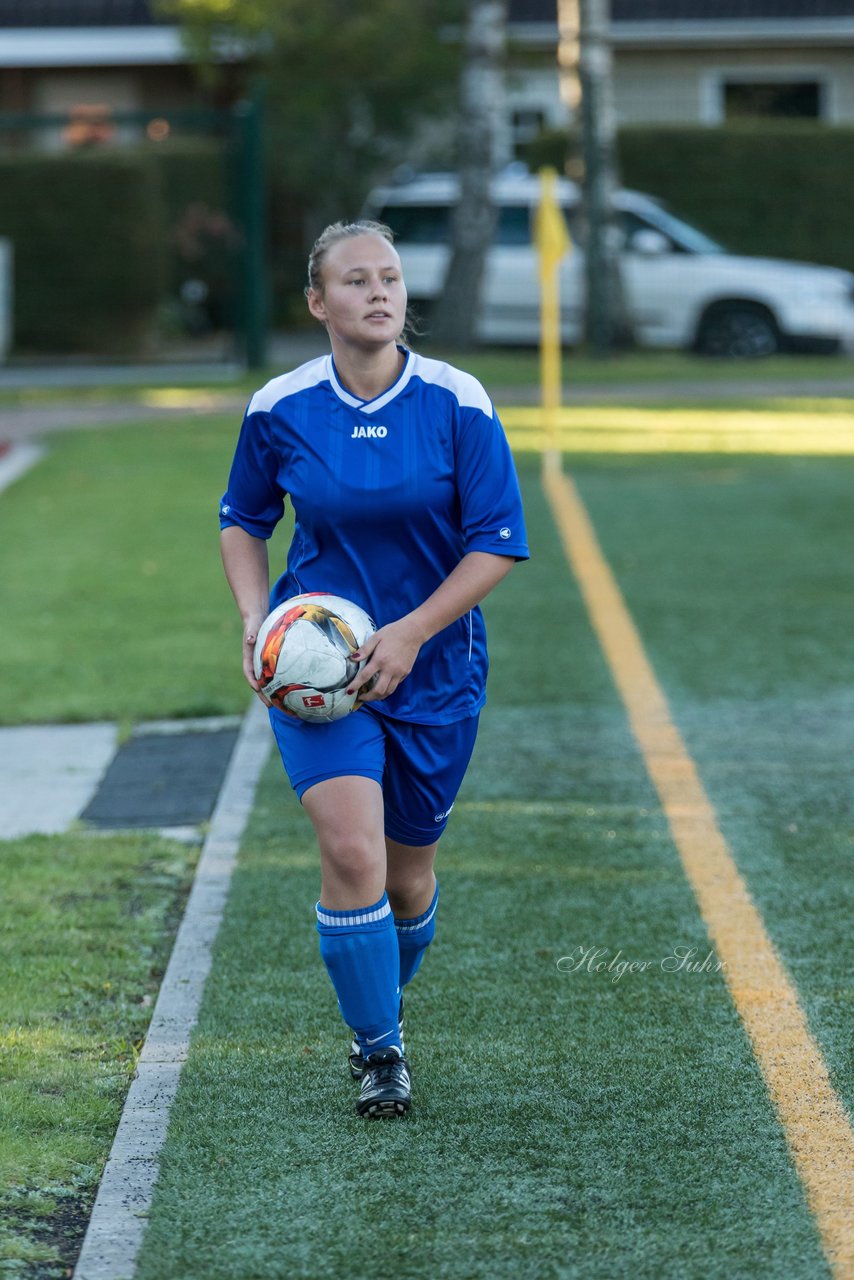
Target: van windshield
{"points": [[431, 223], [418, 223], [690, 238]]}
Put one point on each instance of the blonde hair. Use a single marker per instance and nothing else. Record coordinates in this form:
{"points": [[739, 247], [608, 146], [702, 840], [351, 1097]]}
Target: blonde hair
{"points": [[330, 236]]}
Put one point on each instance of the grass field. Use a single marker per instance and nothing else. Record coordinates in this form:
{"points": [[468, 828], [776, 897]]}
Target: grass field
{"points": [[85, 930], [568, 1122], [115, 602]]}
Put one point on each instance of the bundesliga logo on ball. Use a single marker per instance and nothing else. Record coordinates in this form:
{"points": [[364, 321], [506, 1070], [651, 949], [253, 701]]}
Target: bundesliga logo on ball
{"points": [[304, 655]]}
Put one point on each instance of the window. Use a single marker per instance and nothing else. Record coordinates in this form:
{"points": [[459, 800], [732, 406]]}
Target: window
{"points": [[513, 225], [526, 124], [516, 224], [789, 99], [683, 237], [418, 223], [431, 223]]}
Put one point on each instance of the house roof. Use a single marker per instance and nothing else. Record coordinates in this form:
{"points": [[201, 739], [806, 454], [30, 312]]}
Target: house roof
{"points": [[76, 13], [727, 10], [545, 11], [138, 13]]}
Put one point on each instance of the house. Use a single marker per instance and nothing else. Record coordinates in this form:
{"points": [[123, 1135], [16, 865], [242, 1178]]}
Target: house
{"points": [[696, 62], [89, 59], [679, 61]]}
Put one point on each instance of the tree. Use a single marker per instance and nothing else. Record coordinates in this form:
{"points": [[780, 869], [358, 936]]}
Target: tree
{"points": [[586, 49], [346, 83], [481, 86]]}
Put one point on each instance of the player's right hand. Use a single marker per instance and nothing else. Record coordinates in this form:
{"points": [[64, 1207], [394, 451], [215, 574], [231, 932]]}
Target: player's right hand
{"points": [[250, 634]]}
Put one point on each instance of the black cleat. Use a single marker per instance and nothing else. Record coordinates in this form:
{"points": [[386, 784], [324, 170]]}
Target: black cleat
{"points": [[356, 1057], [386, 1086]]}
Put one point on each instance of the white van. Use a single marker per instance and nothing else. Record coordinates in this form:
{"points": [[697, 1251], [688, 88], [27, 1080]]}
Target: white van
{"points": [[683, 289]]}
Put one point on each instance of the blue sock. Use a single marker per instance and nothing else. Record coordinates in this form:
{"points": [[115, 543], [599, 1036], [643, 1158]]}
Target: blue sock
{"points": [[359, 949], [414, 937]]}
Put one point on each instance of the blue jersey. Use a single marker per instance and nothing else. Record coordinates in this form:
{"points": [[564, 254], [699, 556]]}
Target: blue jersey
{"points": [[388, 495]]}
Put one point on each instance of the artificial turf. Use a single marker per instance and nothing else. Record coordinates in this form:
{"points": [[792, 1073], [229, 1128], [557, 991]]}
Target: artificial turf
{"points": [[748, 627], [569, 1120]]}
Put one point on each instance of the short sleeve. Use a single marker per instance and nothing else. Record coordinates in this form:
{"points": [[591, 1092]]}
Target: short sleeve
{"points": [[488, 487], [254, 499]]}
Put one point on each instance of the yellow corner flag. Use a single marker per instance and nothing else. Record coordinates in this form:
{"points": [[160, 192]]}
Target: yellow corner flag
{"points": [[552, 241], [550, 233]]}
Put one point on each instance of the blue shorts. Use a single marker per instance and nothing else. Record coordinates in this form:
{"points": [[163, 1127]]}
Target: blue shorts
{"points": [[420, 767]]}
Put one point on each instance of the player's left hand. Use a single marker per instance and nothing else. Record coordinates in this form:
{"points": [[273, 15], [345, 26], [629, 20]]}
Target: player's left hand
{"points": [[390, 655]]}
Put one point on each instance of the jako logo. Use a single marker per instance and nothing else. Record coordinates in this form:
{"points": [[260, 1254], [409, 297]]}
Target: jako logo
{"points": [[369, 433], [440, 817]]}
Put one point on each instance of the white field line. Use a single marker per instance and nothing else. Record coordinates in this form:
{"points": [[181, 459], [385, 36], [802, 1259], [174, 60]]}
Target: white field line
{"points": [[114, 1236]]}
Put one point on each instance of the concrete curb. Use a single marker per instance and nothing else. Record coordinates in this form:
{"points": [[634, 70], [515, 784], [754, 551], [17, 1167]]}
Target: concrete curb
{"points": [[114, 1236], [17, 460]]}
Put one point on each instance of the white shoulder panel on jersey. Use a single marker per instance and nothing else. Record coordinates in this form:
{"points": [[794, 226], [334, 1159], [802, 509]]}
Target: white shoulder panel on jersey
{"points": [[288, 384], [467, 390]]}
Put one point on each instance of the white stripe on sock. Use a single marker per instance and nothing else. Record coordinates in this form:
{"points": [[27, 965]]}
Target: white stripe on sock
{"points": [[366, 916], [420, 923]]}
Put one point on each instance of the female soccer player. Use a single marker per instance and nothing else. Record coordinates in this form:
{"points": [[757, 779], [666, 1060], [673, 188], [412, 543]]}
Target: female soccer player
{"points": [[406, 502]]}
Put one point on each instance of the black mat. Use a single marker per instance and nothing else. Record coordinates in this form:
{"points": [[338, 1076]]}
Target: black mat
{"points": [[163, 780]]}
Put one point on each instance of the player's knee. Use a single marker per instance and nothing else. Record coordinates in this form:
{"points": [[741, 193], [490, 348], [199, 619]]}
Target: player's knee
{"points": [[407, 894], [352, 856]]}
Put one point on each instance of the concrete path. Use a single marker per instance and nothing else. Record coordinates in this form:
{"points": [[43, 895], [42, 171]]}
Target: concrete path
{"points": [[50, 773], [19, 423], [60, 374], [203, 364]]}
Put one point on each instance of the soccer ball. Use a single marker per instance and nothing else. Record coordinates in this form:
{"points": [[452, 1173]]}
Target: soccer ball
{"points": [[303, 655]]}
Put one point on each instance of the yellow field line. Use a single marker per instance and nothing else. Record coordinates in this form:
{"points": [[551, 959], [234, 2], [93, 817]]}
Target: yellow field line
{"points": [[817, 1127]]}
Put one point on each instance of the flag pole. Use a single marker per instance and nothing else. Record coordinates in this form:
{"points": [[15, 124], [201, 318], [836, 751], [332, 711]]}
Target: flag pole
{"points": [[553, 243]]}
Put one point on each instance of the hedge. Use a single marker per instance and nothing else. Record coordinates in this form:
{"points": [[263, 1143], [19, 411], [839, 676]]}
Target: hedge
{"points": [[90, 250], [778, 189], [783, 190], [104, 240], [197, 183]]}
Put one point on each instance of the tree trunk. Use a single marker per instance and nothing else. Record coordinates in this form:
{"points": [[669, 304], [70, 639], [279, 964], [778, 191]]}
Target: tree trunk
{"points": [[606, 324], [455, 314]]}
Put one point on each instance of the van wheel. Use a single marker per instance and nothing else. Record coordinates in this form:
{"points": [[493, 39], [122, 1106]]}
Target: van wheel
{"points": [[740, 330]]}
